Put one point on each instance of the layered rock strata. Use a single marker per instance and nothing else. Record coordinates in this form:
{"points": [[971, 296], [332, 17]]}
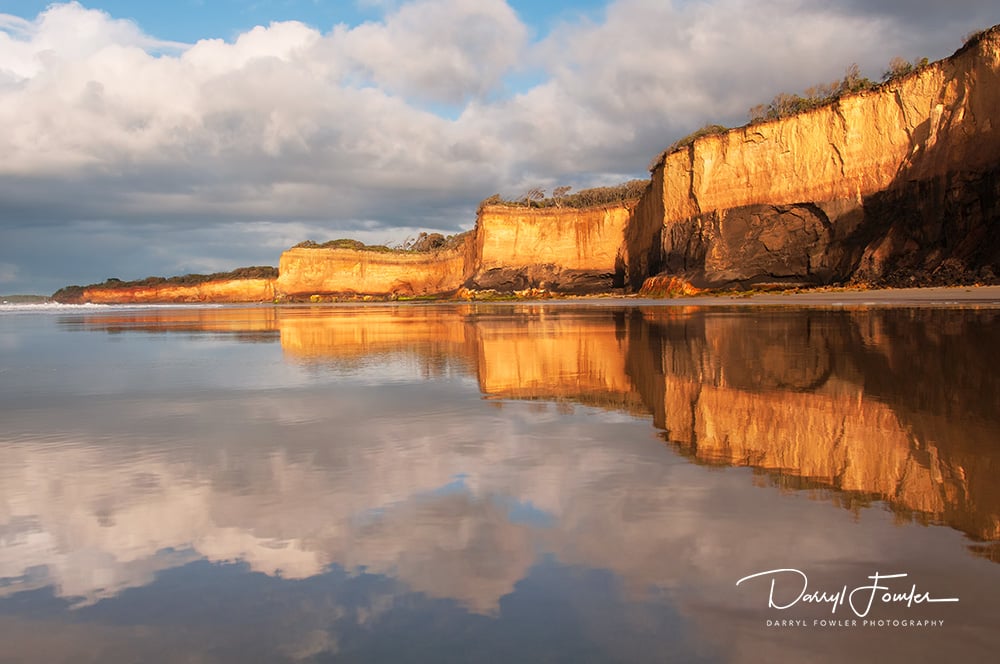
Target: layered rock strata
{"points": [[225, 291], [307, 271], [559, 249], [896, 184]]}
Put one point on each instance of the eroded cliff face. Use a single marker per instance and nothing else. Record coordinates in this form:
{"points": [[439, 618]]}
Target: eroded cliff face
{"points": [[229, 291], [897, 182], [899, 185], [563, 250], [307, 271], [643, 235], [558, 249]]}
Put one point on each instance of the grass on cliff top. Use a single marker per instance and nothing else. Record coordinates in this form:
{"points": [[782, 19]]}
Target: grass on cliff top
{"points": [[561, 198], [786, 105], [254, 272], [423, 243]]}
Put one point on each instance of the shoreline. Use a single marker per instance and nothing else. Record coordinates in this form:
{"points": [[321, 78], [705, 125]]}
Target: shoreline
{"points": [[932, 295], [988, 296]]}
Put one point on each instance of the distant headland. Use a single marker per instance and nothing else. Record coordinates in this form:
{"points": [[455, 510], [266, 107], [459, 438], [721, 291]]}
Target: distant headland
{"points": [[855, 184]]}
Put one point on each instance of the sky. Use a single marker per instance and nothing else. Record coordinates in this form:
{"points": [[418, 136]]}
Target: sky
{"points": [[145, 139]]}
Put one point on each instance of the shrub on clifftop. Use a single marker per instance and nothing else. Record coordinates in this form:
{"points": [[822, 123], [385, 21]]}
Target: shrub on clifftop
{"points": [[424, 243], [593, 197]]}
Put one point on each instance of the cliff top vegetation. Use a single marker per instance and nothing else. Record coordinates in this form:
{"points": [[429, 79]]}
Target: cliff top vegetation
{"points": [[254, 272], [785, 105], [562, 198], [423, 243]]}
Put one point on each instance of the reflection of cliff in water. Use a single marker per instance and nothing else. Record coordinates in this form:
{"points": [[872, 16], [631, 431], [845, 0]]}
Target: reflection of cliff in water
{"points": [[885, 404], [243, 324], [437, 339], [563, 355], [880, 404], [894, 405]]}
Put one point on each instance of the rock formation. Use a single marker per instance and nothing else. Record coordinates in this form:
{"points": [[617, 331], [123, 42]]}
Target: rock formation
{"points": [[306, 271], [558, 249], [895, 185], [513, 248], [220, 291]]}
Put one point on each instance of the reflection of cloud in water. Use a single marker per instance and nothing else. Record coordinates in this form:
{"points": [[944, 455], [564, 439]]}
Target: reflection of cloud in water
{"points": [[365, 495], [360, 495]]}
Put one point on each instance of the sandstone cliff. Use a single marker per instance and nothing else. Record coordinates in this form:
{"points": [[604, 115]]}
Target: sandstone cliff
{"points": [[564, 250], [307, 271], [890, 184], [230, 290], [558, 249], [897, 185]]}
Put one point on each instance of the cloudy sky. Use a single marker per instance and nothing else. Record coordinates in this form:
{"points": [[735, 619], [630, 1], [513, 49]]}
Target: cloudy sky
{"points": [[196, 136]]}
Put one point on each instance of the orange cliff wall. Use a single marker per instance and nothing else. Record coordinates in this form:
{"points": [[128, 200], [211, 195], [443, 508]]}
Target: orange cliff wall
{"points": [[804, 198], [306, 271], [560, 249], [229, 291], [643, 235], [565, 250]]}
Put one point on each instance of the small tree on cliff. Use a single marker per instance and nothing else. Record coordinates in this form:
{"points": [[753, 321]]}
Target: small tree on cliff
{"points": [[898, 67], [495, 199], [854, 81], [785, 105], [559, 193], [533, 196]]}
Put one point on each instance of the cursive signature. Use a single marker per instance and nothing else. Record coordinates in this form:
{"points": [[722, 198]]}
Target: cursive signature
{"points": [[859, 599]]}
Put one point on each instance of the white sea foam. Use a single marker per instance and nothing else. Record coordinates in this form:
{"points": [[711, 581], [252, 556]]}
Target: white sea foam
{"points": [[57, 307], [12, 307]]}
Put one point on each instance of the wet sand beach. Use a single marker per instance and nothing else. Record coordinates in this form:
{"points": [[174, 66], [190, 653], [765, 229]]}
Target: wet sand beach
{"points": [[963, 295]]}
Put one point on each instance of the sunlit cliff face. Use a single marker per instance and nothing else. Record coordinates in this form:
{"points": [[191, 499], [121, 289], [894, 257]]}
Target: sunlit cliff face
{"points": [[572, 239], [894, 182], [235, 290], [307, 271]]}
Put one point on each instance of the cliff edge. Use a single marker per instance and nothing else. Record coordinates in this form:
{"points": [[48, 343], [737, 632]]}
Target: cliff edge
{"points": [[896, 185], [890, 186], [246, 284]]}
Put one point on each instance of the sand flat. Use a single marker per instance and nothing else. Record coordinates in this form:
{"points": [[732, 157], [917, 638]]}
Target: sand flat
{"points": [[937, 296]]}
